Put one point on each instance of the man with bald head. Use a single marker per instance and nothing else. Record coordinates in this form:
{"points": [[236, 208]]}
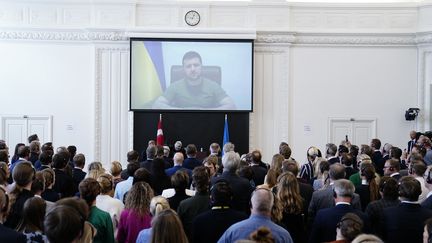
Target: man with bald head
{"points": [[262, 202], [178, 165]]}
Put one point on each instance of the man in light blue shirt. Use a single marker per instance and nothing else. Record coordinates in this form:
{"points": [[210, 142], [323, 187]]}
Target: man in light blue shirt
{"points": [[262, 203], [125, 186]]}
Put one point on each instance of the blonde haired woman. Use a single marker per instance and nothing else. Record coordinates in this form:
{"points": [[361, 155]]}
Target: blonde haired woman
{"points": [[106, 202], [157, 205]]}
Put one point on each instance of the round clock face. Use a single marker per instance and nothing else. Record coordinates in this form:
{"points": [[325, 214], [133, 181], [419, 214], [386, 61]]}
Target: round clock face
{"points": [[192, 18]]}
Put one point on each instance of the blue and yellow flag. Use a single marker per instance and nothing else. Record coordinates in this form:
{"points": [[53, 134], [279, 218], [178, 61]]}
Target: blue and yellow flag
{"points": [[149, 70]]}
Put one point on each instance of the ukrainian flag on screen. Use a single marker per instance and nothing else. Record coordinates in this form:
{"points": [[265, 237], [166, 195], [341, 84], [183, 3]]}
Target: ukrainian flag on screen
{"points": [[148, 71]]}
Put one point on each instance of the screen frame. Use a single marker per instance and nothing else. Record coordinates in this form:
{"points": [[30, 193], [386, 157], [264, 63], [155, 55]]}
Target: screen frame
{"points": [[133, 39]]}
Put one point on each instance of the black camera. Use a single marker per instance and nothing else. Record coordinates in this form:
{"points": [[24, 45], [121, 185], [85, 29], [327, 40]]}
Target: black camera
{"points": [[411, 114]]}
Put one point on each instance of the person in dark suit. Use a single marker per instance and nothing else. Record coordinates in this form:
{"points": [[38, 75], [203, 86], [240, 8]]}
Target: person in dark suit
{"points": [[178, 165], [151, 154], [368, 190], [210, 225], [377, 158], [193, 206], [324, 198], [259, 172], [7, 234], [45, 159], [132, 157], [191, 161], [388, 188], [331, 150], [404, 223], [63, 183], [78, 174], [413, 141], [241, 187], [326, 220]]}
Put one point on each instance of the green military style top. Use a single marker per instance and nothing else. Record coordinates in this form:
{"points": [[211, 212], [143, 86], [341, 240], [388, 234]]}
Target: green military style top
{"points": [[208, 94]]}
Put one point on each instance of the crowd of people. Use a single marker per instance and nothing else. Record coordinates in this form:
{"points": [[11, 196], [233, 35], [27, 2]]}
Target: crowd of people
{"points": [[347, 193]]}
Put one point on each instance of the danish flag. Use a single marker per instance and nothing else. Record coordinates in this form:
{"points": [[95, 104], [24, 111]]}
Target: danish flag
{"points": [[159, 134]]}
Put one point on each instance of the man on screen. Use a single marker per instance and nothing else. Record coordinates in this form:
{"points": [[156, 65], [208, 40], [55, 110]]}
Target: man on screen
{"points": [[194, 91]]}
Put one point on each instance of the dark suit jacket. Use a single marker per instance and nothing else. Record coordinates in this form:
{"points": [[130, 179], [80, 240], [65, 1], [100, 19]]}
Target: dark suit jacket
{"points": [[324, 199], [410, 144], [306, 192], [427, 203], [241, 189], [405, 223], [78, 175], [147, 164], [377, 160], [191, 163], [210, 225], [324, 226], [9, 235], [334, 160], [64, 184], [259, 174]]}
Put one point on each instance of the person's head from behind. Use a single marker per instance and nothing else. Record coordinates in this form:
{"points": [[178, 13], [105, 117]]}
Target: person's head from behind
{"points": [[409, 189], [89, 188], [201, 179], [331, 150], [228, 147], [285, 150], [151, 152], [349, 227], [34, 214], [276, 162], [221, 194], [142, 174], [63, 224], [262, 202], [138, 198], [4, 204], [45, 158], [289, 165], [49, 177], [33, 137], [167, 228], [60, 160], [24, 152], [95, 169], [180, 181], [38, 184], [337, 171], [192, 63], [231, 161], [4, 173], [35, 147], [158, 204], [388, 187], [116, 168], [106, 184], [132, 156], [343, 190], [131, 168], [72, 150], [191, 150], [375, 144], [23, 174], [79, 160], [366, 238]]}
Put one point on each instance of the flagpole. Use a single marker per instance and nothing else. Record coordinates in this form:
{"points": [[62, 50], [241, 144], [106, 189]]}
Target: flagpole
{"points": [[160, 116], [226, 116]]}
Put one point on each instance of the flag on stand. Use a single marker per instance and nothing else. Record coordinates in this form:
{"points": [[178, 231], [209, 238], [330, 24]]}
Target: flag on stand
{"points": [[159, 134], [226, 133]]}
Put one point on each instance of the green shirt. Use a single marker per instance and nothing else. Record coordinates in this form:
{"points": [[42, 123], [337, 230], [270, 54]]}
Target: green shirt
{"points": [[208, 94], [101, 220], [356, 179]]}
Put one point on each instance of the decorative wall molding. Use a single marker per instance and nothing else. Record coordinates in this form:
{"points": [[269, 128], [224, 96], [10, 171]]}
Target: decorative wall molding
{"points": [[356, 39], [424, 96], [112, 119], [424, 38], [277, 37], [63, 35]]}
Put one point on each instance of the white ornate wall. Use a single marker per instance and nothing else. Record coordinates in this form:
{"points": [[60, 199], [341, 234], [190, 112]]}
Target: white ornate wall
{"points": [[285, 33]]}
